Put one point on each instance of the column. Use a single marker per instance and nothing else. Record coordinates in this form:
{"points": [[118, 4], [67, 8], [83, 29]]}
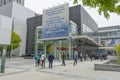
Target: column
{"points": [[99, 40], [55, 49], [36, 42], [70, 47], [44, 47], [60, 42]]}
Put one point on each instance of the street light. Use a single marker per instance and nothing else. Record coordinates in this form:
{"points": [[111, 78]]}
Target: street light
{"points": [[3, 59]]}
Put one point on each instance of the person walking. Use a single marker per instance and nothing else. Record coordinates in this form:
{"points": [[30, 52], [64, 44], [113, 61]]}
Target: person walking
{"points": [[37, 60], [75, 57], [50, 59], [81, 57], [63, 59], [43, 60], [91, 57]]}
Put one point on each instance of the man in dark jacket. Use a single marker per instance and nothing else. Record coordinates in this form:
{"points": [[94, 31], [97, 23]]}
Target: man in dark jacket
{"points": [[63, 59], [50, 59]]}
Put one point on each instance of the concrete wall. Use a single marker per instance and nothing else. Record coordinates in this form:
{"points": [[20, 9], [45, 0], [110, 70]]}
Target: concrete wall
{"points": [[107, 66], [19, 13]]}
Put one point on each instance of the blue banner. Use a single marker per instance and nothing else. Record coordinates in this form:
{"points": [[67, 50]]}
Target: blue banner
{"points": [[56, 22]]}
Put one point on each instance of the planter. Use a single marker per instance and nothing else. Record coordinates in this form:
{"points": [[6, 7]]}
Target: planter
{"points": [[107, 66]]}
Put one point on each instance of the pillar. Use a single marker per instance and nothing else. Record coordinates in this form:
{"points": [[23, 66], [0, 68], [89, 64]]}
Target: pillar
{"points": [[44, 47], [55, 49], [36, 42], [70, 47], [60, 42]]}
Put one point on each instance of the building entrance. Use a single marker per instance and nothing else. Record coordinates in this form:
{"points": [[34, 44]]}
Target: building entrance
{"points": [[57, 47]]}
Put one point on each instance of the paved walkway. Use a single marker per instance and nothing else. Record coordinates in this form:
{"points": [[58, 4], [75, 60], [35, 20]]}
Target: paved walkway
{"points": [[26, 70]]}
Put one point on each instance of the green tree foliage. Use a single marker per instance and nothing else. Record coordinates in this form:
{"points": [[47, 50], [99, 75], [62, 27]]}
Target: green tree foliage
{"points": [[104, 6], [117, 47], [15, 42]]}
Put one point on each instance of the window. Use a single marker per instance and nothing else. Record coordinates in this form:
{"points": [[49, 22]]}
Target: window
{"points": [[73, 28], [86, 29]]}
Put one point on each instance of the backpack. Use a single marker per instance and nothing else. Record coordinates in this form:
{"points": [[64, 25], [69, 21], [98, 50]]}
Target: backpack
{"points": [[75, 56]]}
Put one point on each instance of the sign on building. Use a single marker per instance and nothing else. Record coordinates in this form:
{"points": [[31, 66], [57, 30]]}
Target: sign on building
{"points": [[5, 30], [55, 22]]}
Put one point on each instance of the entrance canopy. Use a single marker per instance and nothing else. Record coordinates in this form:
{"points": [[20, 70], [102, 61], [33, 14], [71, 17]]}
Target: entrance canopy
{"points": [[83, 40], [50, 39]]}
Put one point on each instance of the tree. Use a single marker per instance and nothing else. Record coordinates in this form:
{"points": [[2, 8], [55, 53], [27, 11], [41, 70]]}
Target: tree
{"points": [[117, 47], [15, 42], [104, 6]]}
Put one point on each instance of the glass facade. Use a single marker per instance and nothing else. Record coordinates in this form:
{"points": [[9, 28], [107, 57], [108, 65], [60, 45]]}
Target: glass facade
{"points": [[73, 28], [112, 37], [57, 46], [86, 29]]}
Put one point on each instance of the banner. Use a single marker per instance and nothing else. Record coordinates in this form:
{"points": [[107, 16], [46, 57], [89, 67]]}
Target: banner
{"points": [[55, 22]]}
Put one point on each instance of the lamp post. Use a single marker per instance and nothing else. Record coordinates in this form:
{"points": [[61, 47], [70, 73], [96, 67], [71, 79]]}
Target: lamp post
{"points": [[3, 59]]}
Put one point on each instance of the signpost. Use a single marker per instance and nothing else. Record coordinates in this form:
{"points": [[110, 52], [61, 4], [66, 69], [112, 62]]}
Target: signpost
{"points": [[5, 37], [3, 59]]}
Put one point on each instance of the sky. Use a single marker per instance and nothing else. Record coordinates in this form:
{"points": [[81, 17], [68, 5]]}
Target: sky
{"points": [[39, 5]]}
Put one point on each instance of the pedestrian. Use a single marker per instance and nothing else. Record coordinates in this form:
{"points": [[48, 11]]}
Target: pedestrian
{"points": [[63, 59], [37, 60], [50, 59], [91, 57], [81, 57], [84, 57], [43, 60], [75, 57]]}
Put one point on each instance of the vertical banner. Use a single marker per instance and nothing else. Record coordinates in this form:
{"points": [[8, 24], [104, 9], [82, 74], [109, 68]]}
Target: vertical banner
{"points": [[55, 22]]}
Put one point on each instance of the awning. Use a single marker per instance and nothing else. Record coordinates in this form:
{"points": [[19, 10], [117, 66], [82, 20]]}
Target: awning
{"points": [[48, 39], [85, 40]]}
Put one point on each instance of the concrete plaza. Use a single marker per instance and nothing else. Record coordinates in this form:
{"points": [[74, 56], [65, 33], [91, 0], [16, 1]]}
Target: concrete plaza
{"points": [[24, 69]]}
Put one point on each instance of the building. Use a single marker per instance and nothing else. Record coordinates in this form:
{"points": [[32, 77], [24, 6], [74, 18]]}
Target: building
{"points": [[109, 36], [81, 25], [19, 14], [3, 2]]}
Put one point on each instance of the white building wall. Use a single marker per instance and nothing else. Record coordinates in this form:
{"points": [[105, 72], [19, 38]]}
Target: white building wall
{"points": [[20, 14]]}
